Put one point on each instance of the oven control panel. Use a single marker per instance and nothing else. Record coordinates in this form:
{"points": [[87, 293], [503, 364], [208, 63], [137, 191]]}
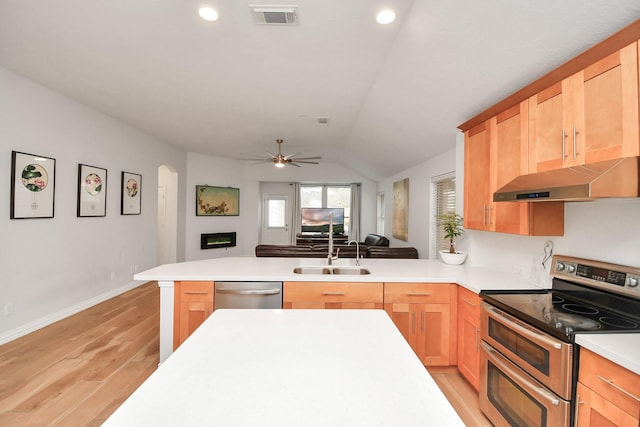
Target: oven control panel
{"points": [[613, 277]]}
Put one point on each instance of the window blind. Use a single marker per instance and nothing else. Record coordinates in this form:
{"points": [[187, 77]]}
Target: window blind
{"points": [[443, 201]]}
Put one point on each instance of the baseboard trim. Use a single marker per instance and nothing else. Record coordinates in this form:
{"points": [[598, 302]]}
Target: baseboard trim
{"points": [[62, 314]]}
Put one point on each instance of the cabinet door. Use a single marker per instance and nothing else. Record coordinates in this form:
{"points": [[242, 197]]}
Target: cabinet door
{"points": [[589, 117], [433, 334], [423, 314], [510, 162], [546, 131], [193, 303], [477, 152], [594, 410], [610, 91], [468, 336]]}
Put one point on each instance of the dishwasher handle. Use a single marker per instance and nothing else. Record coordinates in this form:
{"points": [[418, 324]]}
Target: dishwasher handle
{"points": [[248, 291]]}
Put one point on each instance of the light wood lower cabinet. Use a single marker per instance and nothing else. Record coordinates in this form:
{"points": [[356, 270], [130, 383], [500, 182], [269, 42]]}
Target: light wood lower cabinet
{"points": [[193, 303], [469, 336], [332, 295], [607, 394], [425, 314]]}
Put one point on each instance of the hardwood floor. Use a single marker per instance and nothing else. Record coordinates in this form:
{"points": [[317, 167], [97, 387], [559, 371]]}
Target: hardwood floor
{"points": [[77, 371], [461, 395]]}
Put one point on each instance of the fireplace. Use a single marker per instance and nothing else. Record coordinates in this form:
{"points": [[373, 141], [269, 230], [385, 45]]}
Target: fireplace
{"points": [[217, 240]]}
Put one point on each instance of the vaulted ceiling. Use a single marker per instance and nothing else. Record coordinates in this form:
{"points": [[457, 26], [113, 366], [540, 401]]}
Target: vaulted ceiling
{"points": [[393, 94]]}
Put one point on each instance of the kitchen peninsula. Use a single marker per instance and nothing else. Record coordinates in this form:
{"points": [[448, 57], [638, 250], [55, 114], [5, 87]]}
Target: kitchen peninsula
{"points": [[290, 368], [388, 271]]}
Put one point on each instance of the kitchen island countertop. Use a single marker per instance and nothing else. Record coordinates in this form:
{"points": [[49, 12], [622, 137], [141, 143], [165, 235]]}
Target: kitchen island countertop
{"points": [[290, 368]]}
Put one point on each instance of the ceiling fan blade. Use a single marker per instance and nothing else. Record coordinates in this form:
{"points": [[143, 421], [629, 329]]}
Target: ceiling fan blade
{"points": [[293, 164], [291, 156], [308, 158], [261, 159], [305, 161]]}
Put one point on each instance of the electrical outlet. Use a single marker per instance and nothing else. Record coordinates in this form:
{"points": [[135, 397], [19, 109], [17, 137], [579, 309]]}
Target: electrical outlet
{"points": [[113, 275], [8, 309]]}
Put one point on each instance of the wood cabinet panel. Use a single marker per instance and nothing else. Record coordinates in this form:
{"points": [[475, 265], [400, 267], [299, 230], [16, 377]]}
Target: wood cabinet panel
{"points": [[468, 336], [593, 410], [496, 152], [477, 153], [608, 380], [426, 318], [193, 303], [332, 295], [589, 117]]}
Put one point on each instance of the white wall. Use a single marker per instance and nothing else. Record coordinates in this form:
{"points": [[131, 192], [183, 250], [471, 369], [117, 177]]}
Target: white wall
{"points": [[223, 172], [53, 267], [419, 200]]}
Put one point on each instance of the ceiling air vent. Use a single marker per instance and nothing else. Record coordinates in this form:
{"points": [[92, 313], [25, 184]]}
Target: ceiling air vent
{"points": [[275, 15]]}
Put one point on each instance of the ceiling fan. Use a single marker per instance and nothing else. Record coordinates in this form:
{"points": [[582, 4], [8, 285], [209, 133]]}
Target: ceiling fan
{"points": [[280, 160]]}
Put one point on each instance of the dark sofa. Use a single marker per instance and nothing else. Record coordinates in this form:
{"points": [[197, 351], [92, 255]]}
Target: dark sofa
{"points": [[322, 251]]}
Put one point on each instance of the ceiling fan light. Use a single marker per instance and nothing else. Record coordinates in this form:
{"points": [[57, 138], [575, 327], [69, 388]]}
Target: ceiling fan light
{"points": [[279, 163]]}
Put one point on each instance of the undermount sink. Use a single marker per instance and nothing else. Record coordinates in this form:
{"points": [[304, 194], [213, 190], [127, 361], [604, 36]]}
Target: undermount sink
{"points": [[330, 270], [312, 270]]}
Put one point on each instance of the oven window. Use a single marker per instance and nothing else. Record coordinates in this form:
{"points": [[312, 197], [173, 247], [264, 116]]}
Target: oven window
{"points": [[517, 406], [536, 356]]}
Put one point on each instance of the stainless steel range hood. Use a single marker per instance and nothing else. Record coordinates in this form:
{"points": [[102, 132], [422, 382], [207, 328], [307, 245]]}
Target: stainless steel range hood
{"points": [[611, 178]]}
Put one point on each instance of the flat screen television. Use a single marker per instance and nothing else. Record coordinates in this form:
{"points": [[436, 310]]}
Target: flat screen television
{"points": [[316, 220]]}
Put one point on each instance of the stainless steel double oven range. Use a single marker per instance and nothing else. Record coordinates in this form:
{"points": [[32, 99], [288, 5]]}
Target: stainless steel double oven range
{"points": [[529, 359]]}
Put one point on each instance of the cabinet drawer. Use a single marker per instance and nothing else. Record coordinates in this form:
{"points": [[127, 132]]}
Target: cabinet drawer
{"points": [[424, 293], [468, 303], [611, 381], [333, 292], [195, 291]]}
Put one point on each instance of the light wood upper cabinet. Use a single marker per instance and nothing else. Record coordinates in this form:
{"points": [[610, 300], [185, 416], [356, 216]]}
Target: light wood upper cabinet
{"points": [[332, 295], [477, 204], [496, 152], [589, 117], [425, 314], [193, 303]]}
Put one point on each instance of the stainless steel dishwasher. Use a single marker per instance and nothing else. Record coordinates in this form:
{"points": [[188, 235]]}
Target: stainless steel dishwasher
{"points": [[248, 295]]}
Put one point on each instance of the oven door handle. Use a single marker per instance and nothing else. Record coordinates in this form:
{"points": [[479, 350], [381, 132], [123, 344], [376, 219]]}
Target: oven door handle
{"points": [[248, 291], [502, 364], [498, 315]]}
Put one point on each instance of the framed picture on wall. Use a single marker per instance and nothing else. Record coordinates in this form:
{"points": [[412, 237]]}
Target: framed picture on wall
{"points": [[33, 179], [131, 193], [401, 209], [217, 201], [92, 191]]}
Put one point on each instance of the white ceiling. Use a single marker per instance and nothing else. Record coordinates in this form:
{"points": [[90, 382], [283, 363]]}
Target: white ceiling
{"points": [[394, 94]]}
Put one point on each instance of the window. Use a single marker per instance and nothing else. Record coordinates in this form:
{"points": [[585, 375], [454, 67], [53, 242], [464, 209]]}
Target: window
{"points": [[276, 213], [328, 196], [443, 201]]}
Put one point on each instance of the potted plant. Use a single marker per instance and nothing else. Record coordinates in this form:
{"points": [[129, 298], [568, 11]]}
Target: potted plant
{"points": [[451, 223]]}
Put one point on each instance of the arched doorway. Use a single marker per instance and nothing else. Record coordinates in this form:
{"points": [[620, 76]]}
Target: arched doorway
{"points": [[167, 214]]}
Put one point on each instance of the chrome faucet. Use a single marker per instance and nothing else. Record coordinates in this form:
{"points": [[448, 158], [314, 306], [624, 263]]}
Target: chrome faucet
{"points": [[357, 250], [330, 257]]}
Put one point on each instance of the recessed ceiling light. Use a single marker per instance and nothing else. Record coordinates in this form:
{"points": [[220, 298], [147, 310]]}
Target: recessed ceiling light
{"points": [[208, 13], [386, 17]]}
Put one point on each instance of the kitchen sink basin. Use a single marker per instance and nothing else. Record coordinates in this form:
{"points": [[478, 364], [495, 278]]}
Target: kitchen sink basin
{"points": [[330, 270], [350, 270], [312, 270]]}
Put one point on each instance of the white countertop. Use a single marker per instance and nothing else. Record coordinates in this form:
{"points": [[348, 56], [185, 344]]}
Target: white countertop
{"points": [[623, 349], [382, 270], [290, 368]]}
